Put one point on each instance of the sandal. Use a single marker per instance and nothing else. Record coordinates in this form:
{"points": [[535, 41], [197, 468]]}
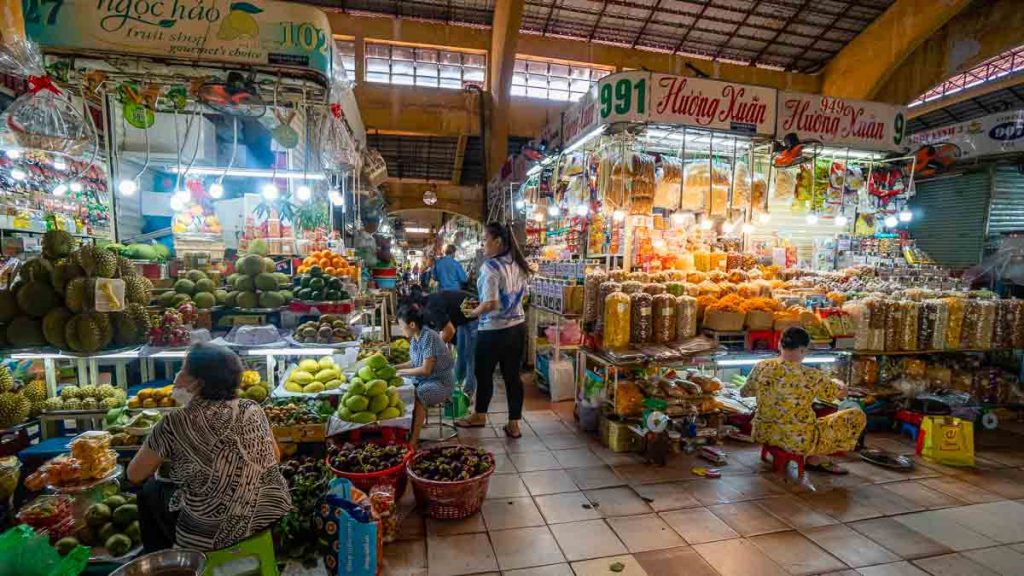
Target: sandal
{"points": [[510, 433], [828, 468], [468, 422]]}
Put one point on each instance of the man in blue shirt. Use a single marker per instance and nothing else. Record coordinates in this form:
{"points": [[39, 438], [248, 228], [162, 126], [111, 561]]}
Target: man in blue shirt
{"points": [[449, 274]]}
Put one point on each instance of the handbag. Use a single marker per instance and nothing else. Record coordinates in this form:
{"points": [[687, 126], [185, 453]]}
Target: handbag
{"points": [[946, 440]]}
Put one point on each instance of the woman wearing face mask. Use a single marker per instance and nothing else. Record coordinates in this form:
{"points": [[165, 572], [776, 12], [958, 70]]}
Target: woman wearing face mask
{"points": [[501, 333], [224, 483]]}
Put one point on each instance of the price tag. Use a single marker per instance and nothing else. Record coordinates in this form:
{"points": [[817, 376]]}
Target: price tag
{"points": [[109, 295]]}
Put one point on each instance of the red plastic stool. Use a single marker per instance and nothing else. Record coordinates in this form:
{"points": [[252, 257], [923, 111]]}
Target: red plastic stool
{"points": [[781, 459]]}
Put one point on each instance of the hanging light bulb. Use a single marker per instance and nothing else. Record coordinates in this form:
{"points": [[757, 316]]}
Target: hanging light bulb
{"points": [[747, 228], [19, 174], [582, 210], [842, 220], [658, 244], [178, 203], [728, 227], [678, 218], [76, 186], [812, 219], [891, 221], [520, 204], [336, 198], [706, 224], [216, 190], [553, 210], [906, 215], [127, 187], [59, 164], [269, 191], [59, 190], [303, 193], [538, 216], [618, 215], [14, 153], [764, 217]]}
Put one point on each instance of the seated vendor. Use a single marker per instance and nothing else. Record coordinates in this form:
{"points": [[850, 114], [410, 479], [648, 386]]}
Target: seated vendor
{"points": [[786, 390], [430, 365], [223, 484]]}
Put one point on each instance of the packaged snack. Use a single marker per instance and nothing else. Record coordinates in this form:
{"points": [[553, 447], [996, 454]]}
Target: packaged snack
{"points": [[616, 320], [666, 311], [629, 399], [686, 317], [385, 511], [604, 290], [641, 322]]}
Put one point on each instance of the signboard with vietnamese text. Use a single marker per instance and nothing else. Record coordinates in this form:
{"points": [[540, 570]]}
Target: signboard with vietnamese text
{"points": [[1001, 133], [840, 122], [580, 119], [712, 104], [255, 32]]}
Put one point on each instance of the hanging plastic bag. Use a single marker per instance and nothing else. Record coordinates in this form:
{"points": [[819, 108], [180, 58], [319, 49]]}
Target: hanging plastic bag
{"points": [[26, 553], [44, 118], [946, 440], [346, 522]]}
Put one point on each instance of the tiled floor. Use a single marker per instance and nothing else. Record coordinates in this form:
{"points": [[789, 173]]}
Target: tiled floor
{"points": [[560, 504]]}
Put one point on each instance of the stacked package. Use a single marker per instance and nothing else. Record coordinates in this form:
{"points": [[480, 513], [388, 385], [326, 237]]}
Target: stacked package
{"points": [[978, 324], [592, 295], [955, 321], [640, 320], [616, 320]]}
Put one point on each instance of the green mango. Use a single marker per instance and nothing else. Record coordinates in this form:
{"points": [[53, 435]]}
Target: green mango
{"points": [[376, 388], [364, 417], [378, 403], [388, 414], [357, 403]]}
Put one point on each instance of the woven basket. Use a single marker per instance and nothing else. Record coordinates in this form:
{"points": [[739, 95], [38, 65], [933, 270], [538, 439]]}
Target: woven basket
{"points": [[448, 500]]}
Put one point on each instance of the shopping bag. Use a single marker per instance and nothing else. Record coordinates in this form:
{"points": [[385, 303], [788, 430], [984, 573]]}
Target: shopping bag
{"points": [[458, 407], [26, 553], [348, 526], [946, 440]]}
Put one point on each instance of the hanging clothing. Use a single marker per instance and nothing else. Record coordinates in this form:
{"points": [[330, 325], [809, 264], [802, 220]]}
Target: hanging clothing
{"points": [[785, 414]]}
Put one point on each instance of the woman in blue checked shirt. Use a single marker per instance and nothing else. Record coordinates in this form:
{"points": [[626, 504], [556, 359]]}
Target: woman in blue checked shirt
{"points": [[430, 365]]}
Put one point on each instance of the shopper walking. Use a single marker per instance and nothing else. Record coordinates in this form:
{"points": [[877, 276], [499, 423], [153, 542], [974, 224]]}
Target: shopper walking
{"points": [[450, 275], [225, 485], [501, 287]]}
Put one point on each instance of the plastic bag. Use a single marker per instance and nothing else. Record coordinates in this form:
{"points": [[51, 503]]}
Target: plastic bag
{"points": [[26, 553], [946, 440], [347, 524]]}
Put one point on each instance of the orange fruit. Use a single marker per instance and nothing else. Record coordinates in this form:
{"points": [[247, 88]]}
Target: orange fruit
{"points": [[329, 271], [309, 261]]}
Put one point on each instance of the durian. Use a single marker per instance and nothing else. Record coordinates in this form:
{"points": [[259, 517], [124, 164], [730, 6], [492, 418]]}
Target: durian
{"points": [[96, 261], [55, 403], [58, 244], [69, 391], [90, 404], [25, 332], [80, 294], [8, 306], [131, 326], [38, 269], [64, 272], [6, 379], [87, 391], [105, 391], [125, 267], [72, 404], [14, 409], [35, 391], [88, 332], [110, 403], [36, 298], [138, 290], [53, 327]]}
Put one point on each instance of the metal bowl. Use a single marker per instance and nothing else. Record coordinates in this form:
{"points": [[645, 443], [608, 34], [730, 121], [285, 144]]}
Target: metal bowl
{"points": [[164, 561]]}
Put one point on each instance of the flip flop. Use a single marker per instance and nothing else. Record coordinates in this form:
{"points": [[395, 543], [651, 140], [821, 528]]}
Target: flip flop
{"points": [[467, 423], [829, 468], [510, 434]]}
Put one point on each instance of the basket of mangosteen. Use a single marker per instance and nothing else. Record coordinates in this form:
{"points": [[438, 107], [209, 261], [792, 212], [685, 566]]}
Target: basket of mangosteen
{"points": [[371, 463], [450, 482]]}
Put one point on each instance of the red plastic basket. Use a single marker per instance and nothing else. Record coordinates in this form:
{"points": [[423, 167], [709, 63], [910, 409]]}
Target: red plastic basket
{"points": [[394, 476], [449, 500]]}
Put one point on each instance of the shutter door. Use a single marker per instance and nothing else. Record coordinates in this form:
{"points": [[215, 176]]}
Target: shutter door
{"points": [[949, 218], [1007, 211]]}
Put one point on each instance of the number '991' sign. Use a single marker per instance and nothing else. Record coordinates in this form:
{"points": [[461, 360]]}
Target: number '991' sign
{"points": [[624, 97]]}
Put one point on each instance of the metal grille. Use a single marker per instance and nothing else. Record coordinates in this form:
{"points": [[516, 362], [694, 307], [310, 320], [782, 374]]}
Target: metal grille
{"points": [[950, 220], [799, 35], [1011, 98], [1006, 213], [1009, 62], [416, 157], [432, 67]]}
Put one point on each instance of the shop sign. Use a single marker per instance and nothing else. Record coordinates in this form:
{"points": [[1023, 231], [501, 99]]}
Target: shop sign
{"points": [[255, 32], [993, 134], [841, 122], [712, 104], [580, 118], [624, 97]]}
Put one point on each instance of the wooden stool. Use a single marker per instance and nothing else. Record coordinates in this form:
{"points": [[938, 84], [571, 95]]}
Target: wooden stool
{"points": [[781, 459]]}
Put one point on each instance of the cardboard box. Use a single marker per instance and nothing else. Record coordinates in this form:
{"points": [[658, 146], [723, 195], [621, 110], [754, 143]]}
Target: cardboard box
{"points": [[724, 321], [782, 325], [760, 320]]}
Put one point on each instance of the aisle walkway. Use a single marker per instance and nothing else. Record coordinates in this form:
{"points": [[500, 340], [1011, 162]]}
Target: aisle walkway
{"points": [[562, 505]]}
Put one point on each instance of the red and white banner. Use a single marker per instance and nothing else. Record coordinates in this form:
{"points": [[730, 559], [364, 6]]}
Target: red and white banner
{"points": [[712, 104], [839, 122]]}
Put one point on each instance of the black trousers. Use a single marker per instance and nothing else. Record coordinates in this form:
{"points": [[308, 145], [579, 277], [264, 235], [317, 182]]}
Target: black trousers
{"points": [[156, 520], [504, 347]]}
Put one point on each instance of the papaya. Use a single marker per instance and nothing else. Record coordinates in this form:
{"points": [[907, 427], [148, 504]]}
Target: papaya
{"points": [[388, 413], [376, 388], [378, 403]]}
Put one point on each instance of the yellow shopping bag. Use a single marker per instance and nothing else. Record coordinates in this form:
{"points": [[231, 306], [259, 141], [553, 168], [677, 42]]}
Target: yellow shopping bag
{"points": [[946, 440]]}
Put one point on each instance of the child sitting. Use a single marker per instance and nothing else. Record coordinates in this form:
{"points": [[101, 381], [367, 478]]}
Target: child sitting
{"points": [[430, 364]]}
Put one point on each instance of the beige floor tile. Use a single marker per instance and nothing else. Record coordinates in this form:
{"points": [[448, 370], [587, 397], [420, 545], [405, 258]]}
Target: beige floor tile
{"points": [[698, 525], [505, 513], [546, 428], [939, 527], [1000, 521], [960, 489], [841, 505], [540, 416], [794, 512], [550, 570], [587, 539], [577, 457], [412, 526], [534, 461], [525, 445], [680, 561], [647, 532], [748, 519], [474, 523], [464, 433], [602, 567], [506, 486], [738, 557], [638, 473], [618, 501], [592, 477], [567, 507], [893, 569], [843, 573], [1007, 483], [849, 546], [898, 538], [796, 554], [462, 554], [753, 486], [563, 441], [668, 495], [503, 464], [548, 482], [711, 492], [493, 445], [525, 547], [953, 565], [1003, 560], [923, 495], [406, 558]]}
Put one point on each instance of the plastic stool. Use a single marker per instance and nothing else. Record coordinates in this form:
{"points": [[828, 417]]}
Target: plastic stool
{"points": [[781, 459], [910, 430], [254, 555]]}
